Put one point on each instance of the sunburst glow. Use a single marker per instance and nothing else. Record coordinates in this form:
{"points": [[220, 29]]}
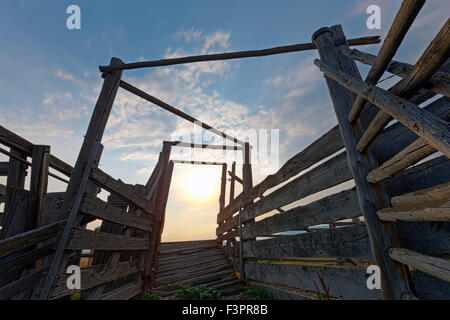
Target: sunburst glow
{"points": [[200, 184]]}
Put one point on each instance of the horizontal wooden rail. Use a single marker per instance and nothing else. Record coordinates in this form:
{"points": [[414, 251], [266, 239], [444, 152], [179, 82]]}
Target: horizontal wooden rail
{"points": [[88, 239], [95, 276], [348, 242], [121, 190], [93, 206], [323, 147], [402, 22], [203, 146], [166, 106], [123, 293], [26, 282], [342, 205], [29, 238], [232, 55], [434, 130], [206, 163], [440, 268], [9, 264], [439, 83], [324, 176]]}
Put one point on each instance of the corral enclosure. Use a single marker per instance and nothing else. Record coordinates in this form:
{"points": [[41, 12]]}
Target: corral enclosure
{"points": [[395, 217]]}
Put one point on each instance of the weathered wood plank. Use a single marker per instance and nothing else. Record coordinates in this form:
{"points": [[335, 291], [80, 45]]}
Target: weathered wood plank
{"points": [[121, 190], [440, 268], [95, 276], [323, 147], [28, 239], [335, 207], [348, 242], [95, 207], [409, 156], [14, 141], [424, 212], [326, 175], [124, 293], [4, 168], [435, 193], [88, 239], [398, 137], [402, 22], [344, 283]]}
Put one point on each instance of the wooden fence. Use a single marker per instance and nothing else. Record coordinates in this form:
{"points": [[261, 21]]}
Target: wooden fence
{"points": [[324, 247]]}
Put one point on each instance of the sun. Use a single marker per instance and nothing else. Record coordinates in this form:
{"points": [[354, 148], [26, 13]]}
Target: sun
{"points": [[200, 184]]}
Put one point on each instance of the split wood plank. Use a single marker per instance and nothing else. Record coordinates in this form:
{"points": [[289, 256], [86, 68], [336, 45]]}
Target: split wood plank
{"points": [[440, 268], [439, 192], [409, 156], [423, 212]]}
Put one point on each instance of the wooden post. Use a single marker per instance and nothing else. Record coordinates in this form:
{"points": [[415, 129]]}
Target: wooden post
{"points": [[247, 184], [159, 215], [232, 181], [395, 280], [15, 180], [38, 187], [81, 171], [223, 185]]}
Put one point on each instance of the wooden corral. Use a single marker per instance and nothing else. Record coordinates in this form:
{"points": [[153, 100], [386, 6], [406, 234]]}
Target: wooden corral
{"points": [[396, 216]]}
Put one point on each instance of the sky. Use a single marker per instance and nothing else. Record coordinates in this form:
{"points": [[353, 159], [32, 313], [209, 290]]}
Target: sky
{"points": [[49, 81]]}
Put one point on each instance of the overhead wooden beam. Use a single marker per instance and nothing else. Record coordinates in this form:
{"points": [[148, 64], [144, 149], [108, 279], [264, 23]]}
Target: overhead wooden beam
{"points": [[166, 106], [206, 163], [204, 146], [232, 55]]}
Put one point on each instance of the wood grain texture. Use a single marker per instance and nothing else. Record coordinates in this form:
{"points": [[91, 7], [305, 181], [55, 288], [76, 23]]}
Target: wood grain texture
{"points": [[344, 283], [88, 239], [95, 207], [440, 268], [348, 242]]}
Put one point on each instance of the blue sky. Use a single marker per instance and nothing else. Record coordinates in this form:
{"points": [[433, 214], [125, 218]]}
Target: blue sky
{"points": [[50, 80]]}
